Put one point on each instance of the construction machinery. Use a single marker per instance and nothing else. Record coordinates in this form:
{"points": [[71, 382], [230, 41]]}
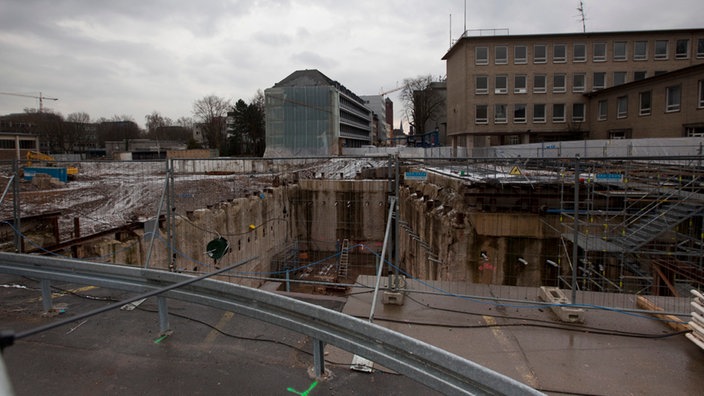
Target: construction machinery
{"points": [[48, 165]]}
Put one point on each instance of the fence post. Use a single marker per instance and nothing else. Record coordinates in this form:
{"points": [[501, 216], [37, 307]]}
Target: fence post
{"points": [[171, 213], [575, 243], [318, 358], [47, 302], [16, 213], [163, 315]]}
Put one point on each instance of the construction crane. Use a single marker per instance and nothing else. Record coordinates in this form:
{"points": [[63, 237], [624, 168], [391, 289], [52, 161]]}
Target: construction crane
{"points": [[391, 91], [40, 97]]}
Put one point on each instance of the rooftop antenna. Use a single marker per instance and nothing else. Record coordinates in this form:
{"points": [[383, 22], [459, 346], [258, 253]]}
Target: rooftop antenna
{"points": [[582, 17], [450, 29], [465, 18]]}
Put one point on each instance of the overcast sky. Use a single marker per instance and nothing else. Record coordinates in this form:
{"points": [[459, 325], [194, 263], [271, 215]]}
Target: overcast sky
{"points": [[133, 57]]}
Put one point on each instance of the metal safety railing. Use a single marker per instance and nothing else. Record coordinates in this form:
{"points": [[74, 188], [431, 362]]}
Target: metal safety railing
{"points": [[422, 362]]}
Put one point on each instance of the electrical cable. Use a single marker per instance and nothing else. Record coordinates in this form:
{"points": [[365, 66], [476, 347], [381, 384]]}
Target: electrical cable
{"points": [[204, 323], [553, 325]]}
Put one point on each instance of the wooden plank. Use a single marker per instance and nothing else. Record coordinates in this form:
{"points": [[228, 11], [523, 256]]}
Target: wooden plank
{"points": [[673, 321]]}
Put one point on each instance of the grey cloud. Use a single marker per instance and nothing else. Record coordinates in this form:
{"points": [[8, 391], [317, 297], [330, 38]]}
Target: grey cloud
{"points": [[312, 60]]}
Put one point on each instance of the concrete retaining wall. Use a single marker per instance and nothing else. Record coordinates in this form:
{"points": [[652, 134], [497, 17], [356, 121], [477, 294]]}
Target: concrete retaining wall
{"points": [[325, 211], [444, 238]]}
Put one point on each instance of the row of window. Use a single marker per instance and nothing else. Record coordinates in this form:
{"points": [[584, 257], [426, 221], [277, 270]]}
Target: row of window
{"points": [[673, 102], [520, 116], [620, 51], [559, 82], [25, 144], [501, 112]]}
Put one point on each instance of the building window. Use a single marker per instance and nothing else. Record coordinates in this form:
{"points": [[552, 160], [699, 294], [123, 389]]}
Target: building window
{"points": [[682, 49], [513, 139], [694, 131], [500, 114], [501, 55], [539, 83], [501, 85], [559, 83], [540, 53], [578, 112], [620, 51], [580, 52], [603, 110], [673, 98], [618, 134], [599, 80], [481, 85], [481, 115], [639, 75], [599, 52], [644, 103], [519, 113], [640, 50], [622, 107], [558, 112], [619, 78], [660, 72], [520, 85], [481, 56], [661, 49], [520, 54], [538, 112], [559, 53], [28, 144], [579, 82], [700, 48], [7, 144], [700, 102]]}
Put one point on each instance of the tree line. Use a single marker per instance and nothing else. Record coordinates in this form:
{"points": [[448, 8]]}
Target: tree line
{"points": [[216, 123], [232, 129]]}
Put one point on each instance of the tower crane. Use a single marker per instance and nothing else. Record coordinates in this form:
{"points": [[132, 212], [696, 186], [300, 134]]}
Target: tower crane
{"points": [[391, 91], [40, 97]]}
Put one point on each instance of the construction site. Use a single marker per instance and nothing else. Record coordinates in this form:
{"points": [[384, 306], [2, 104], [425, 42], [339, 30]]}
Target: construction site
{"points": [[577, 233]]}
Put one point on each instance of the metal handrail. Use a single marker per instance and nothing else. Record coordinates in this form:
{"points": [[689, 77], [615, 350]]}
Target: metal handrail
{"points": [[431, 366]]}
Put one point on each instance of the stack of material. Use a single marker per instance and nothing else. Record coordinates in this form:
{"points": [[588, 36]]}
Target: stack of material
{"points": [[697, 322]]}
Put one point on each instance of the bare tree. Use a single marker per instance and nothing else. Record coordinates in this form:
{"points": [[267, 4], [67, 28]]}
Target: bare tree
{"points": [[422, 103], [211, 113], [80, 117], [77, 135], [122, 128], [185, 122], [154, 121]]}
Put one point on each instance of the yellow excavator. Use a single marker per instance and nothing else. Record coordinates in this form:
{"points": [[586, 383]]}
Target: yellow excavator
{"points": [[71, 171]]}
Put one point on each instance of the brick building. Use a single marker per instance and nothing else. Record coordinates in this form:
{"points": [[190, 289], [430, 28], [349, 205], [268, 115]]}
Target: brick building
{"points": [[667, 105], [504, 89]]}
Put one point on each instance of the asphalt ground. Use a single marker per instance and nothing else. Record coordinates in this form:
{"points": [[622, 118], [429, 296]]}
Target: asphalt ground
{"points": [[210, 352], [216, 352], [611, 353]]}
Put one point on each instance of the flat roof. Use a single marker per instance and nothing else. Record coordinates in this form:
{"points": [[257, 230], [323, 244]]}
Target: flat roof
{"points": [[567, 34]]}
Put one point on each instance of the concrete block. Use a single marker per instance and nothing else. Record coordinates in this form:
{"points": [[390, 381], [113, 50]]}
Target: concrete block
{"points": [[392, 298], [554, 295]]}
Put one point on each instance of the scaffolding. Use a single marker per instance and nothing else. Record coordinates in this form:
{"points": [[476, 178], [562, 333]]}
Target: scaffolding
{"points": [[636, 225]]}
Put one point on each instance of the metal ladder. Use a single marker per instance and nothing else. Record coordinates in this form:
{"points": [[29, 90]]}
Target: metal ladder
{"points": [[344, 260]]}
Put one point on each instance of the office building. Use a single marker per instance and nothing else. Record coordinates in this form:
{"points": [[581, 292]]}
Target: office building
{"points": [[505, 89]]}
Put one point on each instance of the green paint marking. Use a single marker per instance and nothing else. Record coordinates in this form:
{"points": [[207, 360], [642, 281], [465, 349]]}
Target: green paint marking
{"points": [[305, 392], [160, 339]]}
